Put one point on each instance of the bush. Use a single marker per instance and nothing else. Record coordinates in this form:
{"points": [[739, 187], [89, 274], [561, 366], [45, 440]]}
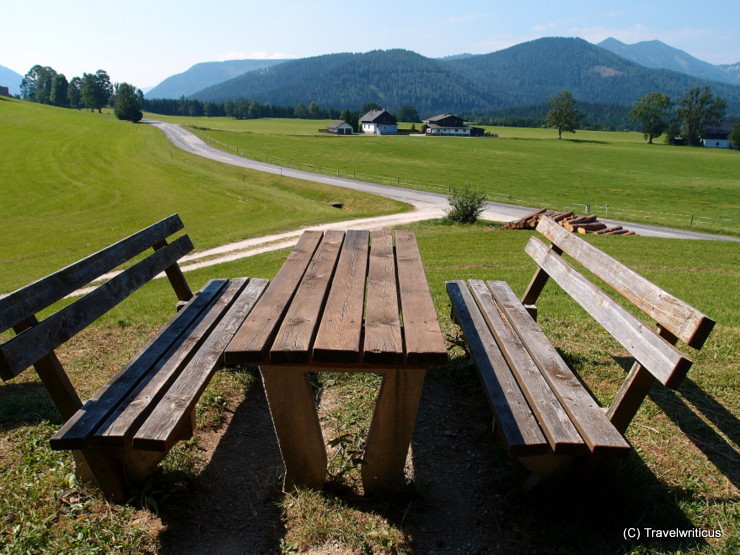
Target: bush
{"points": [[466, 204]]}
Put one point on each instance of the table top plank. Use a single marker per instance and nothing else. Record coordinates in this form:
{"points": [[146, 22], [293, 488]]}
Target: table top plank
{"points": [[251, 342], [383, 339], [423, 336], [293, 341], [340, 333]]}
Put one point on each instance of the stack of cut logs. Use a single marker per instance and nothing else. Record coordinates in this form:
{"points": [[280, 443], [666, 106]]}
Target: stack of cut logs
{"points": [[570, 221]]}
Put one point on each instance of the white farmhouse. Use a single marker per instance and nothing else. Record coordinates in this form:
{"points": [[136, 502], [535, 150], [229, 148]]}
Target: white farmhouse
{"points": [[379, 122]]}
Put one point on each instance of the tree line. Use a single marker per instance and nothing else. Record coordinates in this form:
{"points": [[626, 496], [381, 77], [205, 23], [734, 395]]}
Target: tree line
{"points": [[93, 91], [655, 115]]}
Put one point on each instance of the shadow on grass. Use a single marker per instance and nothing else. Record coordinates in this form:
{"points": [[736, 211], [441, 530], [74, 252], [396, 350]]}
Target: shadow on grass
{"points": [[25, 404], [471, 498], [231, 507], [717, 449]]}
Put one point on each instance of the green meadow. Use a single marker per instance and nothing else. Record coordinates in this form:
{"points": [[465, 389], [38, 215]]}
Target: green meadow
{"points": [[73, 182], [661, 184]]}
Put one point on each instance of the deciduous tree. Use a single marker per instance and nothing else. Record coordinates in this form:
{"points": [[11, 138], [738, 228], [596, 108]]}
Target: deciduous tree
{"points": [[563, 116], [695, 109], [127, 106], [651, 111]]}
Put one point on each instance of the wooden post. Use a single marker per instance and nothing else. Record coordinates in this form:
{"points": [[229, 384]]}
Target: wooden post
{"points": [[634, 390], [391, 429], [177, 279], [296, 424]]}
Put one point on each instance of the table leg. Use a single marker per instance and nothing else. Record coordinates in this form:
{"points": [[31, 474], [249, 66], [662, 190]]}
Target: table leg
{"points": [[390, 431], [296, 424]]}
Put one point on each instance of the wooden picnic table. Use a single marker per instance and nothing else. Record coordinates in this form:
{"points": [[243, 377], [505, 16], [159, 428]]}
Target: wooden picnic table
{"points": [[344, 301]]}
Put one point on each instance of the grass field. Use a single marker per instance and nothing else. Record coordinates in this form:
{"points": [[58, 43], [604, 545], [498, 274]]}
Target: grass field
{"points": [[679, 187], [67, 190], [74, 181], [683, 473]]}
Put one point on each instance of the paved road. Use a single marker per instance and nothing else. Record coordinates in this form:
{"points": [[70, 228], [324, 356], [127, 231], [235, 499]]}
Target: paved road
{"points": [[428, 205]]}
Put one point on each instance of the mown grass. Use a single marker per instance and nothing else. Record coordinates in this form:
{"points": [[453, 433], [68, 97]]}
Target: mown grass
{"points": [[75, 181], [679, 187], [683, 473]]}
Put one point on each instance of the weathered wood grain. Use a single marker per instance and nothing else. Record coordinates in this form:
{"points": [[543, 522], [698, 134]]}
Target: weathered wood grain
{"points": [[252, 342], [340, 333], [552, 417], [665, 362], [681, 319], [41, 294], [422, 335], [76, 432], [25, 349], [522, 434], [161, 429], [143, 399], [587, 416], [294, 339], [383, 342]]}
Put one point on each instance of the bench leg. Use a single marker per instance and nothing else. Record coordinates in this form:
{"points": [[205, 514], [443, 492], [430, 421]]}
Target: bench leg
{"points": [[105, 469], [296, 424], [545, 467], [390, 431]]}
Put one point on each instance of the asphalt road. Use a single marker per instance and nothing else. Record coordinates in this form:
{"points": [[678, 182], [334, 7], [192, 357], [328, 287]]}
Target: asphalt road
{"points": [[428, 205]]}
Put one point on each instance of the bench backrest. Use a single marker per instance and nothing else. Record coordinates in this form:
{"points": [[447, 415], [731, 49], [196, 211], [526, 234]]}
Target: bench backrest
{"points": [[35, 341], [654, 350]]}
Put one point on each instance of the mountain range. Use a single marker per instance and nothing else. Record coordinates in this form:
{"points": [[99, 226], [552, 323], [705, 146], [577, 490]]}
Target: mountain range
{"points": [[656, 54], [10, 79], [523, 75], [204, 75]]}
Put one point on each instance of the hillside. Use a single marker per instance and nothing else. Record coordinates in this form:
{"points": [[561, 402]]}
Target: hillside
{"points": [[532, 72], [10, 79], [203, 75], [526, 74], [391, 78], [656, 54]]}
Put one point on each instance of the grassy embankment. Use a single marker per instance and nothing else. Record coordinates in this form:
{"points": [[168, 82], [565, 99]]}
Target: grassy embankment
{"points": [[683, 473], [73, 182], [657, 184]]}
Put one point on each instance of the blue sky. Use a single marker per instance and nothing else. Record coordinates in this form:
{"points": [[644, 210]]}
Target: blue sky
{"points": [[145, 41]]}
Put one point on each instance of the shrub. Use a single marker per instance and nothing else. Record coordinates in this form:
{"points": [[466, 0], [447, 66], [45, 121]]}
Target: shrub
{"points": [[466, 204]]}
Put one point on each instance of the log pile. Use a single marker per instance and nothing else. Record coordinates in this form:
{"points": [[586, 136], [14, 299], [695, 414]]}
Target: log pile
{"points": [[570, 221]]}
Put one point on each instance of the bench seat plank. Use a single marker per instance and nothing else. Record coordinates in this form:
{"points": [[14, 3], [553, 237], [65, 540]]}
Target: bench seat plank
{"points": [[251, 342], [161, 428], [522, 434], [26, 348], [340, 333], [293, 341], [383, 339], [552, 417], [423, 337], [599, 434], [665, 362], [77, 431], [135, 408]]}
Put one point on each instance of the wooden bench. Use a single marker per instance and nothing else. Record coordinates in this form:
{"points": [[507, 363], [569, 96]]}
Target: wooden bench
{"points": [[542, 412], [122, 433]]}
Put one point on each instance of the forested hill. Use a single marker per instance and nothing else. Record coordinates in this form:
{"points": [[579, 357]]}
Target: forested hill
{"points": [[526, 74], [391, 78], [205, 74], [534, 71]]}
